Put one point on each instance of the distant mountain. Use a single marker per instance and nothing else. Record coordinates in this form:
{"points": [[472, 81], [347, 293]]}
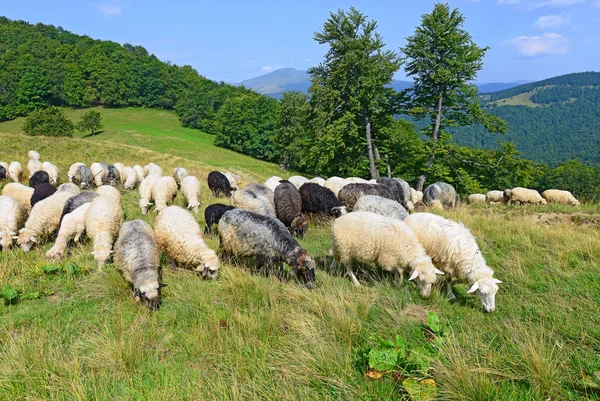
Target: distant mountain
{"points": [[498, 86]]}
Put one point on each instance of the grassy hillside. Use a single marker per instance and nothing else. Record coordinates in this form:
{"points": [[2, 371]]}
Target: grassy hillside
{"points": [[76, 333]]}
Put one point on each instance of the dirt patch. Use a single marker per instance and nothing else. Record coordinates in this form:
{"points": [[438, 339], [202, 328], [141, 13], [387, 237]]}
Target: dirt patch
{"points": [[416, 313]]}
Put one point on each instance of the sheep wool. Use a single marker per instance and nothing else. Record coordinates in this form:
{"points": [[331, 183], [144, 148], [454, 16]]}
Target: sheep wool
{"points": [[152, 168], [102, 222], [231, 178], [99, 173], [129, 177], [319, 200], [253, 202], [298, 180], [140, 172], [33, 155], [12, 217], [476, 199], [120, 167], [381, 206], [33, 165], [179, 173], [521, 195], [15, 171], [494, 197], [192, 191], [335, 184], [83, 177], [21, 193], [52, 171], [440, 195], [72, 169], [272, 182], [263, 190], [559, 196], [110, 191], [164, 191], [145, 190], [72, 227]]}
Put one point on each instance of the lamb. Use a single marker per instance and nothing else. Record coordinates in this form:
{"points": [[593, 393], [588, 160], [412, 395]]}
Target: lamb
{"points": [[99, 171], [145, 190], [72, 169], [381, 206], [152, 168], [21, 193], [351, 193], [454, 250], [75, 202], [38, 178], [83, 177], [112, 175], [33, 155], [110, 191], [233, 181], [34, 165], [136, 256], [178, 233], [41, 192], [298, 180], [219, 184], [52, 171], [288, 208], [249, 200], [559, 196], [212, 215], [140, 172], [68, 187], [12, 217], [120, 167], [318, 180], [262, 190], [243, 233], [102, 222], [192, 191], [439, 195], [390, 243], [72, 226], [164, 191], [475, 198], [494, 197], [272, 182], [179, 174], [15, 171], [335, 184], [400, 189], [43, 220], [2, 172], [129, 177], [319, 200], [523, 195]]}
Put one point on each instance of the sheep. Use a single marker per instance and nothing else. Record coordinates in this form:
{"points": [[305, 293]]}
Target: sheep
{"points": [[414, 196], [390, 243], [102, 221], [41, 192], [272, 182], [72, 169], [12, 217], [358, 180], [262, 190], [2, 172], [351, 193], [381, 206], [152, 168], [233, 181], [120, 167], [212, 215], [559, 196], [288, 208], [33, 155], [15, 171], [129, 178], [136, 256], [145, 190], [68, 187], [454, 250], [34, 165], [71, 227], [243, 233], [21, 193], [5, 165], [419, 196], [99, 171], [475, 198], [178, 233], [335, 184], [521, 195], [110, 191], [249, 200], [219, 184], [75, 202], [164, 191], [140, 172], [83, 177], [439, 195], [112, 175], [298, 180], [400, 189], [494, 197], [192, 191], [38, 178], [179, 174], [319, 200], [52, 171], [43, 220]]}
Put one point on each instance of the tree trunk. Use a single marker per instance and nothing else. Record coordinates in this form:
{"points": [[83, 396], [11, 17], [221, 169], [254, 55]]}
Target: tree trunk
{"points": [[434, 138], [374, 173], [389, 169]]}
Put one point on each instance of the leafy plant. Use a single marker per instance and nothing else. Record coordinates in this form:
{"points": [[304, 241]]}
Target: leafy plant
{"points": [[50, 269], [10, 295], [48, 122]]}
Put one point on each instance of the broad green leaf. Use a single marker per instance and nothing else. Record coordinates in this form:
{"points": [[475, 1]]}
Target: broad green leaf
{"points": [[383, 360], [433, 321], [423, 390], [50, 269]]}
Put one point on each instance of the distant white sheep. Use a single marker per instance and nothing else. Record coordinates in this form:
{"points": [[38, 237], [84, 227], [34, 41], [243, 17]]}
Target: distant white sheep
{"points": [[179, 173], [33, 166], [102, 222], [298, 180], [71, 228], [523, 195], [559, 196], [12, 217], [99, 171], [52, 171], [120, 167], [15, 171], [164, 191], [272, 182], [145, 190], [192, 191], [318, 180], [476, 199], [152, 168], [335, 184], [494, 197], [129, 177], [234, 179], [140, 172]]}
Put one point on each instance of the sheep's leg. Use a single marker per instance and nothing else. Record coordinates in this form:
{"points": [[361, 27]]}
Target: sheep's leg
{"points": [[399, 277], [333, 265], [351, 274], [448, 285]]}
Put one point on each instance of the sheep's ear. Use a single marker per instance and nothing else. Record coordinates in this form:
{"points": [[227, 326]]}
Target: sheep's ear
{"points": [[15, 237], [473, 288], [497, 281], [92, 253], [414, 275], [161, 285], [437, 271]]}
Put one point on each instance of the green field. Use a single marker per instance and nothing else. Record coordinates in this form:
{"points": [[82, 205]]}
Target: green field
{"points": [[77, 334]]}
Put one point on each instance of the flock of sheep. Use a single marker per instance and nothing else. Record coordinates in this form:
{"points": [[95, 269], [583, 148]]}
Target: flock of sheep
{"points": [[375, 223]]}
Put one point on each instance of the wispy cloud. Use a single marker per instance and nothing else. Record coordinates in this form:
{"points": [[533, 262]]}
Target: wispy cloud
{"points": [[533, 4], [549, 21], [109, 10], [548, 43], [269, 67], [307, 60]]}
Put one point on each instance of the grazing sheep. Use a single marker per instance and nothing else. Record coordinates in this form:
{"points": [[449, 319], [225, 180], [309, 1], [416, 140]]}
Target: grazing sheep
{"points": [[72, 169], [192, 191], [559, 196], [351, 193], [288, 208], [15, 171], [5, 165], [21, 193], [43, 219], [41, 192], [68, 187], [249, 200], [34, 165], [390, 243], [318, 180], [145, 190], [33, 155], [99, 173], [475, 198], [243, 233], [400, 189], [521, 195], [112, 175], [136, 256], [419, 196], [52, 171], [335, 184], [358, 180], [298, 180], [219, 184], [262, 190], [83, 177], [381, 206], [440, 195], [414, 196], [494, 197], [102, 222], [273, 182], [178, 233], [140, 172], [12, 217], [2, 172], [75, 202], [164, 191], [319, 200], [71, 227], [212, 215], [38, 178], [120, 167], [454, 250], [179, 174], [232, 179], [129, 177], [152, 168], [110, 191]]}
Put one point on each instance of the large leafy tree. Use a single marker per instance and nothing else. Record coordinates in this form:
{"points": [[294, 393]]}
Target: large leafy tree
{"points": [[92, 121], [48, 122], [443, 60], [290, 134]]}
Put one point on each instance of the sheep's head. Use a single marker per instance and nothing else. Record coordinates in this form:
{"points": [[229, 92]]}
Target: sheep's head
{"points": [[210, 267], [160, 205], [193, 206], [149, 294], [6, 239], [486, 289], [339, 211], [144, 205], [437, 205], [101, 255], [304, 268], [424, 274], [27, 239], [299, 226], [544, 201]]}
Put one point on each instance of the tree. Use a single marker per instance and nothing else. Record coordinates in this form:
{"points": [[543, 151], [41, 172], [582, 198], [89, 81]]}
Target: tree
{"points": [[292, 113], [443, 61], [48, 122], [92, 120], [350, 103]]}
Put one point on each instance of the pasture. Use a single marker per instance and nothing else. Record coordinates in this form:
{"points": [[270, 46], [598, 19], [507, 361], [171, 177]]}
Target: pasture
{"points": [[76, 334]]}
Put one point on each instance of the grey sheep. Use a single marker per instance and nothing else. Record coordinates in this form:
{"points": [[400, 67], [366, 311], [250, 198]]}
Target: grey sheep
{"points": [[263, 190], [440, 195], [288, 208], [400, 189], [83, 177], [76, 201], [382, 206], [112, 175], [351, 193]]}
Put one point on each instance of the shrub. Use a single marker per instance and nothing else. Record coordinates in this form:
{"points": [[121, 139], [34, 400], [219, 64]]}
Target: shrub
{"points": [[48, 122]]}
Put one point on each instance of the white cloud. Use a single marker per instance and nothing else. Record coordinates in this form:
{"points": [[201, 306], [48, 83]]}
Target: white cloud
{"points": [[548, 43], [306, 60], [269, 68], [110, 9], [533, 4], [549, 21]]}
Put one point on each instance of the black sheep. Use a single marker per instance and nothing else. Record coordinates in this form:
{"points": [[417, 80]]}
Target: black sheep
{"points": [[400, 189], [212, 215], [319, 200], [2, 173], [75, 201], [288, 208], [39, 177], [351, 193], [219, 184], [41, 192]]}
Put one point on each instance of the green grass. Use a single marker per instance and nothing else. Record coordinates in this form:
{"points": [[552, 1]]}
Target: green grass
{"points": [[249, 336]]}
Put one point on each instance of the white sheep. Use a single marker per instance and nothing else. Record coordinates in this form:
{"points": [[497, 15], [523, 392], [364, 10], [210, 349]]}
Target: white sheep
{"points": [[33, 166], [335, 184], [234, 179], [414, 195], [33, 155], [15, 171], [99, 171], [370, 238], [559, 196], [145, 190], [152, 168], [178, 233], [494, 197], [102, 222], [72, 170], [22, 193], [523, 195], [12, 217], [454, 250], [71, 228], [380, 205], [192, 191], [298, 180], [52, 171], [68, 187], [272, 182], [253, 202], [140, 172], [120, 167], [129, 177], [164, 191], [179, 173], [110, 191], [476, 199], [318, 180]]}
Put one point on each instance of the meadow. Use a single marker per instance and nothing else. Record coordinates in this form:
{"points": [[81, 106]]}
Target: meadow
{"points": [[75, 333]]}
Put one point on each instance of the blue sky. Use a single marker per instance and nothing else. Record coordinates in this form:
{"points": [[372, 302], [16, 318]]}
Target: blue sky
{"points": [[236, 40]]}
